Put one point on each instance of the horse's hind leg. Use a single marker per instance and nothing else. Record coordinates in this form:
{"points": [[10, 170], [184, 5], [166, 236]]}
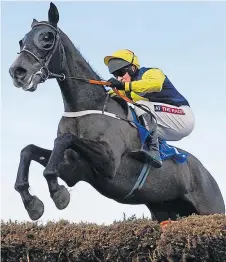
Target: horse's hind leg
{"points": [[33, 205], [206, 197], [158, 214], [171, 209]]}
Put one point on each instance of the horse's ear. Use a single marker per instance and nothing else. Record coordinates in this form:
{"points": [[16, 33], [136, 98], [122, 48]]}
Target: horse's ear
{"points": [[34, 22], [53, 15]]}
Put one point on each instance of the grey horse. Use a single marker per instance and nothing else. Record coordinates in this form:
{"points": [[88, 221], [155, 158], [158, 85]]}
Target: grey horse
{"points": [[94, 145]]}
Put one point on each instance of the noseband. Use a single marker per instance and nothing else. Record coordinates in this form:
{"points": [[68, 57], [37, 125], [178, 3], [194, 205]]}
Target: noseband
{"points": [[44, 70]]}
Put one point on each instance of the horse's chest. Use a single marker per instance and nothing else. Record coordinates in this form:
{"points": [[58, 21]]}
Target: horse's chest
{"points": [[89, 127]]}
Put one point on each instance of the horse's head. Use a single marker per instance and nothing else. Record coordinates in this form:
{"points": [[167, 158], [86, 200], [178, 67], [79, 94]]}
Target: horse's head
{"points": [[38, 51]]}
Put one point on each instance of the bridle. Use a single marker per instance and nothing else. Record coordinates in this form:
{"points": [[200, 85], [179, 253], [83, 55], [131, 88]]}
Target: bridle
{"points": [[44, 71]]}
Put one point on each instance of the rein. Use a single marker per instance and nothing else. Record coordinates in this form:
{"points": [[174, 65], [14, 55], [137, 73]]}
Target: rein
{"points": [[105, 83], [62, 77]]}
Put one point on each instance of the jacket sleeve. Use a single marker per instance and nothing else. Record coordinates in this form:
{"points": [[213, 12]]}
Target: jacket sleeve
{"points": [[152, 81]]}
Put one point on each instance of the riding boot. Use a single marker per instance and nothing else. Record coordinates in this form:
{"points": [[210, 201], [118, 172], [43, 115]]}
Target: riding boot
{"points": [[149, 151]]}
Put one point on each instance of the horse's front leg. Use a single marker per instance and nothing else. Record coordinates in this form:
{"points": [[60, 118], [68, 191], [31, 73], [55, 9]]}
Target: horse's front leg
{"points": [[58, 193], [33, 205], [98, 154]]}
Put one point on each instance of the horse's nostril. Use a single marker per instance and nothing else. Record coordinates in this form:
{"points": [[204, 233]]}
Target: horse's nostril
{"points": [[20, 72]]}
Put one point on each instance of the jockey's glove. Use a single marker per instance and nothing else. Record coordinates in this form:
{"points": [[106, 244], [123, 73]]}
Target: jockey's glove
{"points": [[117, 84]]}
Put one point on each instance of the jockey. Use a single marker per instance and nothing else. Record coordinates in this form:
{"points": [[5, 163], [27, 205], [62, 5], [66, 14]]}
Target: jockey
{"points": [[152, 88]]}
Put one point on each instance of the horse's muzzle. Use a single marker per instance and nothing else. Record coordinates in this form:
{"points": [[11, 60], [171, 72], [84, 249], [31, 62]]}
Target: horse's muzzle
{"points": [[17, 72]]}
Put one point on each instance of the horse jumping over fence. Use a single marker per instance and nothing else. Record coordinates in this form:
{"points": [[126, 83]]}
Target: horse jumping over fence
{"points": [[95, 137]]}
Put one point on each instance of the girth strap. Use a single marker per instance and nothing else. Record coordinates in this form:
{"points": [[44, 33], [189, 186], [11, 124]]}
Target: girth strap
{"points": [[141, 179]]}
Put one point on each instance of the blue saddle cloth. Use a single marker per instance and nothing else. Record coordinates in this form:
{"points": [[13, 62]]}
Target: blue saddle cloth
{"points": [[166, 151]]}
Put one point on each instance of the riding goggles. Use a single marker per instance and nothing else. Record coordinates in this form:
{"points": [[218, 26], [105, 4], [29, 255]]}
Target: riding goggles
{"points": [[121, 72]]}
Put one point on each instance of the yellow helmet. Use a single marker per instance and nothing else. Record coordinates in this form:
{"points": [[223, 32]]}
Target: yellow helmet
{"points": [[122, 57]]}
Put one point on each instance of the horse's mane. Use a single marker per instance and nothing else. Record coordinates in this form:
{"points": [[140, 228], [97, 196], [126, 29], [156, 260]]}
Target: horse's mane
{"points": [[77, 58]]}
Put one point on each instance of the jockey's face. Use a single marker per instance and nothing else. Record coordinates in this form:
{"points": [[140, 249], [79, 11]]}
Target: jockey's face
{"points": [[123, 75], [124, 78]]}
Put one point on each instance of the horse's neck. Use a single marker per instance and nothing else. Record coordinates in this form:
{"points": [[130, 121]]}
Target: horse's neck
{"points": [[79, 95]]}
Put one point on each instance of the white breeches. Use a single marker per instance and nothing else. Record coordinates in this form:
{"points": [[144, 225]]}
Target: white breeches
{"points": [[174, 123]]}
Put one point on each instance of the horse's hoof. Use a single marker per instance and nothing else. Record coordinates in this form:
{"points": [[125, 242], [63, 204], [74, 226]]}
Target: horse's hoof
{"points": [[61, 198], [35, 208]]}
